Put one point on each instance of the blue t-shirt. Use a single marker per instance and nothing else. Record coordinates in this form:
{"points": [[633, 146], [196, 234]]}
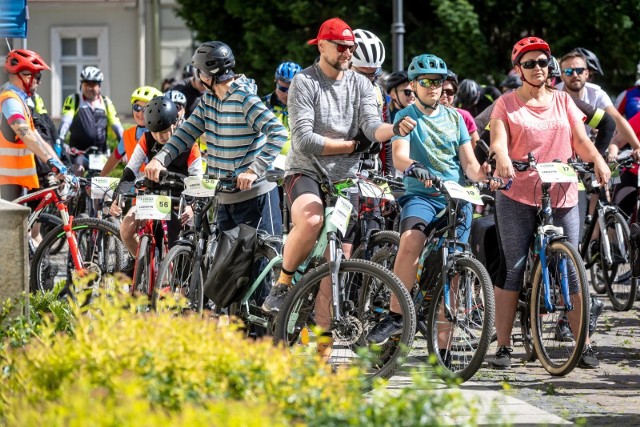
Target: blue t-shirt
{"points": [[11, 106], [435, 142]]}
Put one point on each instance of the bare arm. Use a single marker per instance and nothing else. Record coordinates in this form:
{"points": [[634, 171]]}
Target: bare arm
{"points": [[470, 164], [110, 165], [401, 159], [587, 151], [32, 139], [499, 140]]}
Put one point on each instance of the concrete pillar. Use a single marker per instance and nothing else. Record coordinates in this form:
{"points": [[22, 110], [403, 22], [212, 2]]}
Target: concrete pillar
{"points": [[14, 255]]}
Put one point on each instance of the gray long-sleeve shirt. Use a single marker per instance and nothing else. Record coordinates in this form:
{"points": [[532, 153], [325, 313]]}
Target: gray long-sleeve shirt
{"points": [[321, 107]]}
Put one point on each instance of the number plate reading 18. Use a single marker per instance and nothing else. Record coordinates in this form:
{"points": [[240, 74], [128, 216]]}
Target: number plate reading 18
{"points": [[556, 172], [469, 194], [196, 186], [153, 207], [341, 215]]}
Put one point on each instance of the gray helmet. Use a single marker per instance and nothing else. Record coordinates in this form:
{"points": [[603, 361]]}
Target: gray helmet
{"points": [[593, 63], [512, 81], [214, 59], [554, 67], [469, 93], [160, 114]]}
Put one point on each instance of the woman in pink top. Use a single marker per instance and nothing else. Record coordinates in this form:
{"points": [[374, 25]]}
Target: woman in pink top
{"points": [[539, 119]]}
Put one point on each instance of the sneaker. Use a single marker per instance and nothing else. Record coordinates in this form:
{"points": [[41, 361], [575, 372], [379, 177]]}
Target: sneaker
{"points": [[385, 329], [274, 300], [594, 312], [503, 358], [588, 359], [563, 330]]}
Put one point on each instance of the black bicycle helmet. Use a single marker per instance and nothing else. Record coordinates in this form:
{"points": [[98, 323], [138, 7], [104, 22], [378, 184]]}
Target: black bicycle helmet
{"points": [[593, 63], [554, 67], [160, 114], [214, 59], [453, 78], [395, 79], [469, 93], [512, 81]]}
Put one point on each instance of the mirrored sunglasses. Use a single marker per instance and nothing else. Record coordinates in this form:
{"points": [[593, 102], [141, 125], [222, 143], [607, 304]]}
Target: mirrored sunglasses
{"points": [[430, 82], [137, 108], [570, 71]]}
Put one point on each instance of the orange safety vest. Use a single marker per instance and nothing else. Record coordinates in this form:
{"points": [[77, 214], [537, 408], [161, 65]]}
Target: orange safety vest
{"points": [[17, 162], [130, 142]]}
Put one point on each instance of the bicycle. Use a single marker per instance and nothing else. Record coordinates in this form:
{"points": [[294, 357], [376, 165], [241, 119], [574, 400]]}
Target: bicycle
{"points": [[605, 245], [77, 248], [552, 263], [339, 301], [459, 327]]}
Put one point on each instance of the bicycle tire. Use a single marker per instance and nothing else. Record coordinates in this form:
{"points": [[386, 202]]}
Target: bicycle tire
{"points": [[142, 268], [469, 328], [52, 262], [382, 240], [617, 276], [525, 331], [362, 283], [558, 357], [174, 279]]}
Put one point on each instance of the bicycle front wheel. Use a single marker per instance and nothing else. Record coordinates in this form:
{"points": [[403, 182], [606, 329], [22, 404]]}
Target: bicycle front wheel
{"points": [[142, 267], [557, 355], [98, 245], [460, 319], [177, 279], [307, 321], [617, 274]]}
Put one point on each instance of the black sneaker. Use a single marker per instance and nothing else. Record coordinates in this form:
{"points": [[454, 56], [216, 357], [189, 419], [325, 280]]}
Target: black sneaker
{"points": [[385, 329], [274, 300], [588, 359], [594, 312], [503, 358], [563, 331]]}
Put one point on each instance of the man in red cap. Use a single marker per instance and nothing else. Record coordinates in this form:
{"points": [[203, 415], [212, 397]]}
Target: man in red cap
{"points": [[334, 117]]}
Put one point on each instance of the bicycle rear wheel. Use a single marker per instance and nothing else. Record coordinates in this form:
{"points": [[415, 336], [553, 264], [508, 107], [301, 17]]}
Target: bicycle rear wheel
{"points": [[557, 356], [617, 276], [386, 242], [459, 331], [142, 268], [306, 320], [98, 245]]}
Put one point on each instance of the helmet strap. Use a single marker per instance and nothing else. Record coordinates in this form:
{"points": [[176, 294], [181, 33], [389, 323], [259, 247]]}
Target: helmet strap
{"points": [[27, 86], [528, 82], [427, 106], [397, 100]]}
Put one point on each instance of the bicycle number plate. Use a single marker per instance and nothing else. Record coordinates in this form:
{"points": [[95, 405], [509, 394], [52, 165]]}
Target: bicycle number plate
{"points": [[341, 214], [197, 186], [369, 189], [101, 185], [97, 161], [469, 194], [153, 207], [556, 172]]}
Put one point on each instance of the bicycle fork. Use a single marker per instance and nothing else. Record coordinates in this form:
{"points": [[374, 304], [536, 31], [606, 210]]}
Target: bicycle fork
{"points": [[335, 258], [564, 278]]}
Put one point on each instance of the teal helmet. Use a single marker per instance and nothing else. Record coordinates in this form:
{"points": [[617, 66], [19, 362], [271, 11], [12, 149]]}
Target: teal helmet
{"points": [[426, 64]]}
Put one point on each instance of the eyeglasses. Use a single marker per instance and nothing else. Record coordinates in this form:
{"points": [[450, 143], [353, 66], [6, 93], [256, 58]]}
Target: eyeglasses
{"points": [[430, 82], [448, 92], [371, 75], [137, 108], [408, 92], [341, 48], [570, 71], [284, 89], [531, 64], [36, 76]]}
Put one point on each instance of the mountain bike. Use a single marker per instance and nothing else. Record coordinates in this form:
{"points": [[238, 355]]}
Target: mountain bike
{"points": [[605, 245], [334, 303]]}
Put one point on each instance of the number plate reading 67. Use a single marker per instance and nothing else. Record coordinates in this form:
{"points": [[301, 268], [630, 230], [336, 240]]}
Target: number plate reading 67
{"points": [[153, 207], [341, 215]]}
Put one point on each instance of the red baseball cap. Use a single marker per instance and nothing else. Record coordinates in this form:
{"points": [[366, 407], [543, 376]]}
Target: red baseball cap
{"points": [[334, 29]]}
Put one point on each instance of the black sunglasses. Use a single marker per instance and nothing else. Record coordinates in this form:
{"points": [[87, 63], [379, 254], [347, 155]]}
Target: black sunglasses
{"points": [[284, 89], [407, 92], [137, 108], [531, 64], [343, 47], [570, 71], [448, 92]]}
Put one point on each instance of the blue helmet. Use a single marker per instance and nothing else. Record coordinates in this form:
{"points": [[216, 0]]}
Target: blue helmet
{"points": [[286, 71], [426, 64]]}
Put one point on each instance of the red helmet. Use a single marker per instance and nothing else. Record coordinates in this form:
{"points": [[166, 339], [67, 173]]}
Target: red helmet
{"points": [[528, 44], [22, 59]]}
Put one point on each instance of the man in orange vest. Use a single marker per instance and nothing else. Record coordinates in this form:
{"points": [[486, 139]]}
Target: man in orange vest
{"points": [[19, 140]]}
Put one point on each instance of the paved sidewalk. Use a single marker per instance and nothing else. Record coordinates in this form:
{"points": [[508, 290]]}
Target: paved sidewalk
{"points": [[527, 395]]}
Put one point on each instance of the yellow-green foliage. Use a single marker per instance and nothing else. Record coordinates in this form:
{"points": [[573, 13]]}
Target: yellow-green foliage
{"points": [[122, 368]]}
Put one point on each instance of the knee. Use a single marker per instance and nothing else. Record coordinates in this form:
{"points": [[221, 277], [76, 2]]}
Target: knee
{"points": [[411, 244], [313, 224]]}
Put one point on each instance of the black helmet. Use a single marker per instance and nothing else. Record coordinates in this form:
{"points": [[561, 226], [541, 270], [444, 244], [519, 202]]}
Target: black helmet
{"points": [[214, 59], [160, 114], [554, 67], [188, 71], [593, 63], [395, 79], [453, 78], [469, 93], [512, 81]]}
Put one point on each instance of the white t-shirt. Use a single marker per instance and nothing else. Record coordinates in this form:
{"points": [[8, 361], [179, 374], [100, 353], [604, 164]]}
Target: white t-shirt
{"points": [[593, 95]]}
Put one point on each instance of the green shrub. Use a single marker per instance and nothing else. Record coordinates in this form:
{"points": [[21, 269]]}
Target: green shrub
{"points": [[111, 366]]}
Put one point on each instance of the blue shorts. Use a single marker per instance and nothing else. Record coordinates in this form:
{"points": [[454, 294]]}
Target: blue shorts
{"points": [[420, 212]]}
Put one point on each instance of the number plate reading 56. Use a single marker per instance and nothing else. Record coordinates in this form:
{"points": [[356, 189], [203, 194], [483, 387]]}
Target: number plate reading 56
{"points": [[153, 207], [341, 215]]}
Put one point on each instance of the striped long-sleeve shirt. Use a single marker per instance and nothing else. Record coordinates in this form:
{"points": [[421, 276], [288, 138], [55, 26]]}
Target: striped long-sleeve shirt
{"points": [[241, 133]]}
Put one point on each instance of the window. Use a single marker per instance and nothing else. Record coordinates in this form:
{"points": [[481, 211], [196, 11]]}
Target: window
{"points": [[72, 49]]}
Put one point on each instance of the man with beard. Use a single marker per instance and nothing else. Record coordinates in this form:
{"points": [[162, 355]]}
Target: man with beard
{"points": [[333, 116], [574, 74]]}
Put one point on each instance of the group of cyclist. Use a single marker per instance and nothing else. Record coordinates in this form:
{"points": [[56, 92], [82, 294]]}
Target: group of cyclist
{"points": [[422, 125]]}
